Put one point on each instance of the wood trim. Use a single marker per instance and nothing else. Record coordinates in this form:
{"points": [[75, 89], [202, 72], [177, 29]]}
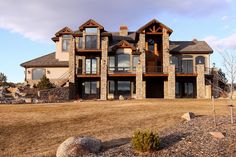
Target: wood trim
{"points": [[184, 75], [88, 76], [122, 75], [156, 75], [87, 51]]}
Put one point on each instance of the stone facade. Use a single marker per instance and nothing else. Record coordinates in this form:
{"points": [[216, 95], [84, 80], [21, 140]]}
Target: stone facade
{"points": [[150, 43], [104, 69], [200, 81]]}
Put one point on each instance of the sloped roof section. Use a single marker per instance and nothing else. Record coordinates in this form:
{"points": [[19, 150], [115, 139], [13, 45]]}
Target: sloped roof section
{"points": [[64, 31], [91, 23], [192, 47], [48, 60], [122, 44], [154, 21]]}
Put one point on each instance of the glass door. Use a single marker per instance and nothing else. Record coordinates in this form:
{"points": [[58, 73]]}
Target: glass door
{"points": [[91, 66], [187, 66]]}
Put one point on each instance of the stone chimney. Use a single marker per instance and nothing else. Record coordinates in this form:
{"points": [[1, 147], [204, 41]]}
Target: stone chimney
{"points": [[123, 30]]}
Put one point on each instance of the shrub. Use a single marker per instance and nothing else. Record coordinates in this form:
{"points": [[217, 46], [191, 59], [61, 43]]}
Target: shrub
{"points": [[144, 141], [44, 83]]}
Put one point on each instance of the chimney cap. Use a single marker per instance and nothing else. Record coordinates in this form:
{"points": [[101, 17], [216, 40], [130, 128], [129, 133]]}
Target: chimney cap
{"points": [[123, 27]]}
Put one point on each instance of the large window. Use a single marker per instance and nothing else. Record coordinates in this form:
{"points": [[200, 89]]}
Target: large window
{"points": [[123, 62], [80, 44], [123, 87], [91, 66], [112, 63], [91, 42], [187, 64], [135, 61], [90, 87], [37, 74], [111, 86], [65, 43]]}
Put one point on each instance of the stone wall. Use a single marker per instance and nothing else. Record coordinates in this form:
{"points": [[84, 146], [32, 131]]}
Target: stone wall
{"points": [[104, 63], [54, 94]]}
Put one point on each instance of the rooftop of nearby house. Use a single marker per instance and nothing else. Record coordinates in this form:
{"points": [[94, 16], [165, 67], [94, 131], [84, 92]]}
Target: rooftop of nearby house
{"points": [[48, 60]]}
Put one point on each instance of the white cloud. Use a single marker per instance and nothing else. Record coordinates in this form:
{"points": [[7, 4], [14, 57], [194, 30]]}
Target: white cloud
{"points": [[224, 18], [40, 19], [227, 43]]}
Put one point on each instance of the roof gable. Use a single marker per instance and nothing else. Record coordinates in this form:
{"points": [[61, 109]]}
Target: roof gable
{"points": [[153, 29], [91, 23], [64, 31], [122, 44]]}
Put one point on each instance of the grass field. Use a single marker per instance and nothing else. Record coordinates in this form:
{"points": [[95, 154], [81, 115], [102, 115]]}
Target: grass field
{"points": [[37, 130]]}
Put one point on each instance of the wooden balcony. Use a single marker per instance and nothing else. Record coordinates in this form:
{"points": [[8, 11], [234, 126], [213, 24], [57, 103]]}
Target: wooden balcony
{"points": [[87, 73], [186, 71], [121, 71], [155, 71]]}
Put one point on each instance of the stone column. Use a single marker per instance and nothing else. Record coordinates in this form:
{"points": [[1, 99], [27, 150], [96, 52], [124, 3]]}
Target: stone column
{"points": [[200, 81], [140, 83], [104, 68], [165, 59], [72, 80], [171, 82], [165, 50]]}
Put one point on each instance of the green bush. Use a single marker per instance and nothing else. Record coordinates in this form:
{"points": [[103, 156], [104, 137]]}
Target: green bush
{"points": [[145, 141], [44, 83]]}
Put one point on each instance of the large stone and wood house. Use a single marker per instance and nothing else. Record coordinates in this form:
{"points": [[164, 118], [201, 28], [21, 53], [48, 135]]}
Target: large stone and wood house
{"points": [[97, 64]]}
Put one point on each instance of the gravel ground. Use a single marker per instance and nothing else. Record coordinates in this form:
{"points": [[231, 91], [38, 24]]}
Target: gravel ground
{"points": [[189, 139]]}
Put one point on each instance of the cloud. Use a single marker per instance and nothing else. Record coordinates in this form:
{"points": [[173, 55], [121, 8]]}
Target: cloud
{"points": [[40, 19], [223, 18], [227, 43]]}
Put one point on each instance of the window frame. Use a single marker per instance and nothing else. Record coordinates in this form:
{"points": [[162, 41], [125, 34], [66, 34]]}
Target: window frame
{"points": [[38, 78], [89, 45], [65, 38]]}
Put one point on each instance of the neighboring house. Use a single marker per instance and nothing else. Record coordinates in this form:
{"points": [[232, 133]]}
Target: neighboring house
{"points": [[98, 64]]}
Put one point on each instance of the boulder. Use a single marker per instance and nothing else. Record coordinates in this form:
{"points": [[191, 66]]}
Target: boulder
{"points": [[188, 116], [28, 100], [121, 97], [78, 146], [217, 134]]}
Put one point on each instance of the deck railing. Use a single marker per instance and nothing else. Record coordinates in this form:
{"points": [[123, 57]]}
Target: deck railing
{"points": [[155, 69], [117, 69]]}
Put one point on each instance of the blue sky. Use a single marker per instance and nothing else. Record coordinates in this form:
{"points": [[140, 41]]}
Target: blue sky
{"points": [[26, 26]]}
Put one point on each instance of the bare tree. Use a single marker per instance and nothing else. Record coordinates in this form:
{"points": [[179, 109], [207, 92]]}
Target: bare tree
{"points": [[229, 63], [3, 79]]}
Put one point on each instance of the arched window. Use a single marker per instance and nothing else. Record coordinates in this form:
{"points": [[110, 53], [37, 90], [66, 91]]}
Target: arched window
{"points": [[37, 74], [200, 60]]}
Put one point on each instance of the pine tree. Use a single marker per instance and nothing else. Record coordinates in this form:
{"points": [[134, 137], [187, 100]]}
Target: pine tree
{"points": [[44, 83]]}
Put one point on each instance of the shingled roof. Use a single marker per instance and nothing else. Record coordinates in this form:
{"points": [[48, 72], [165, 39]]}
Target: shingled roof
{"points": [[190, 47], [48, 60]]}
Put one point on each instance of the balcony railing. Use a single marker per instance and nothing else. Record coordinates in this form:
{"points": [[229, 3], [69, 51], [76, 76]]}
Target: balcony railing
{"points": [[183, 70], [155, 70], [121, 69], [80, 71]]}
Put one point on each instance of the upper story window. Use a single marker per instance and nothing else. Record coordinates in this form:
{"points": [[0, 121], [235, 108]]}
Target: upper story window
{"points": [[135, 61], [91, 42], [91, 30], [151, 45], [200, 60], [123, 60], [112, 63], [37, 74], [80, 44], [66, 43]]}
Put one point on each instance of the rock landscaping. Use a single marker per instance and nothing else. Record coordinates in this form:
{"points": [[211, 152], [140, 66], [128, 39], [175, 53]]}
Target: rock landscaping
{"points": [[190, 138]]}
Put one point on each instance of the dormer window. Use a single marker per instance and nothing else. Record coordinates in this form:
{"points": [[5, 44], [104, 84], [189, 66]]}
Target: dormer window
{"points": [[91, 30], [66, 43]]}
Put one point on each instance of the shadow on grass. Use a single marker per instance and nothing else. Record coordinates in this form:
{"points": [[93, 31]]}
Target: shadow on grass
{"points": [[170, 140], [115, 143]]}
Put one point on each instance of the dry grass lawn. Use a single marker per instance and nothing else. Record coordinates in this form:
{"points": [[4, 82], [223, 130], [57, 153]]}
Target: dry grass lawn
{"points": [[37, 130]]}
